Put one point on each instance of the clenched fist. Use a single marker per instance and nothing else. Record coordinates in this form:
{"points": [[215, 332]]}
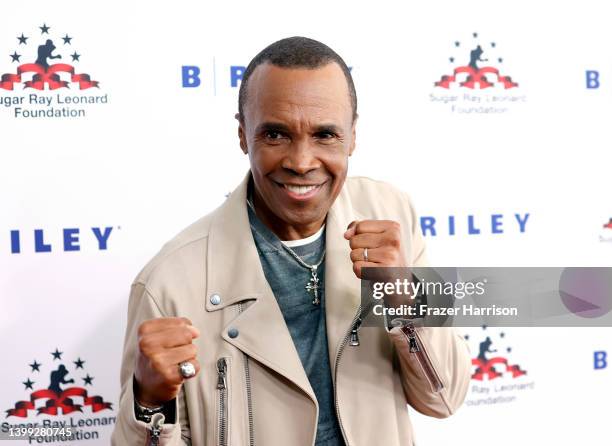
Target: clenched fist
{"points": [[381, 238], [162, 345]]}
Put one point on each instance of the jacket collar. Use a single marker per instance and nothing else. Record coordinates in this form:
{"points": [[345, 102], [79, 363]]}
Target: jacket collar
{"points": [[234, 272]]}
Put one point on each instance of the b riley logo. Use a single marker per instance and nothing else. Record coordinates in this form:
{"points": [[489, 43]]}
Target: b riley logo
{"points": [[476, 82], [495, 378], [35, 71], [58, 387]]}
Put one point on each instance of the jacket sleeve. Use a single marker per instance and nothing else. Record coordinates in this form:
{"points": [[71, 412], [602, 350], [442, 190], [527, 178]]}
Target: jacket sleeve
{"points": [[436, 378], [128, 430]]}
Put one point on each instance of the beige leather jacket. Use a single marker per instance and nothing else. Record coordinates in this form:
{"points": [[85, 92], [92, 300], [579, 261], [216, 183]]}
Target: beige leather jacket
{"points": [[252, 389]]}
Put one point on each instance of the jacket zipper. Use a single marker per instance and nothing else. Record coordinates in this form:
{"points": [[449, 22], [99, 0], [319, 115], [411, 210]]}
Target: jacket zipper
{"points": [[247, 376], [353, 335], [157, 425], [416, 348], [222, 388]]}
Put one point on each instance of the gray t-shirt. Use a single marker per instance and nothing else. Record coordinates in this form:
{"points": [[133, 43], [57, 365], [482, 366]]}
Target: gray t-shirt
{"points": [[306, 322]]}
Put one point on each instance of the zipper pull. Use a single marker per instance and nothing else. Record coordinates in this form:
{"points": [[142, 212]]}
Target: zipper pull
{"points": [[354, 342], [221, 374], [414, 347], [157, 425]]}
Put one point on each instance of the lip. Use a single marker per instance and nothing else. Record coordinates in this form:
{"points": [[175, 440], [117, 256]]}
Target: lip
{"points": [[300, 197]]}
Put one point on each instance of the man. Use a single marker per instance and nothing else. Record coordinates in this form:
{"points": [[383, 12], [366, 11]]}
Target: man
{"points": [[244, 329]]}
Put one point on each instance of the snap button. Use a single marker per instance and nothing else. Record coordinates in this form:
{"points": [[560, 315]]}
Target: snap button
{"points": [[215, 299], [232, 333]]}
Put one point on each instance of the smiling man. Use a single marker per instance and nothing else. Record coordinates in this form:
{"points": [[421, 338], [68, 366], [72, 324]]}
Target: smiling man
{"points": [[245, 328]]}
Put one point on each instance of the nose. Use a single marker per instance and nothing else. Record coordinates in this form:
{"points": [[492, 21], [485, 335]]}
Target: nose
{"points": [[300, 158]]}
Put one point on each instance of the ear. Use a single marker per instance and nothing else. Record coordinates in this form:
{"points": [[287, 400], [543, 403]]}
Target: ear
{"points": [[353, 135], [241, 134]]}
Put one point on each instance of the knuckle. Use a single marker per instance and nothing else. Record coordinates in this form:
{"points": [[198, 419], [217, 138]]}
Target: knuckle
{"points": [[144, 345], [395, 242], [185, 336], [192, 350], [156, 362], [143, 328]]}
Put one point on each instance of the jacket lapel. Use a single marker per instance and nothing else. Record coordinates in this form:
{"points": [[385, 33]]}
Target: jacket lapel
{"points": [[234, 272], [342, 287]]}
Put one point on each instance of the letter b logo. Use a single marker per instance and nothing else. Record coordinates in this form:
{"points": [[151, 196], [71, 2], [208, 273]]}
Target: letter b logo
{"points": [[600, 360], [191, 76], [592, 79]]}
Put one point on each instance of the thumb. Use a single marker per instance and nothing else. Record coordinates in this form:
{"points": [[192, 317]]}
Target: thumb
{"points": [[350, 230]]}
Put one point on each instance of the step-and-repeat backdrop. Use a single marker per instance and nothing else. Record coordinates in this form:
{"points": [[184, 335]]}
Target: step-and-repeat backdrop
{"points": [[129, 136]]}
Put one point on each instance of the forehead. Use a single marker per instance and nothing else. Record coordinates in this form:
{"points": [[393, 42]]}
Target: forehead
{"points": [[297, 93]]}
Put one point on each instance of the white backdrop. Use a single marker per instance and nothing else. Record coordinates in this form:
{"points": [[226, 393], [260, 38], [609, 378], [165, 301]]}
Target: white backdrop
{"points": [[157, 156]]}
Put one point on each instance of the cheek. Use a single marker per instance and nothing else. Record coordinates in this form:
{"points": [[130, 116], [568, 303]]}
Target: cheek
{"points": [[337, 165], [264, 161]]}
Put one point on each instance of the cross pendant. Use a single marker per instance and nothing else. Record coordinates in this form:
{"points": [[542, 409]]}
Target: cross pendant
{"points": [[313, 286]]}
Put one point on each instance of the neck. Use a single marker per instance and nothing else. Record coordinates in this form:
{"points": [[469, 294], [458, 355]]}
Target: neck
{"points": [[282, 229]]}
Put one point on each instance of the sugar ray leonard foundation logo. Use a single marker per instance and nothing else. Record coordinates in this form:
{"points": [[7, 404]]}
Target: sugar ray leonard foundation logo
{"points": [[496, 378], [606, 232], [476, 82], [61, 387], [35, 71]]}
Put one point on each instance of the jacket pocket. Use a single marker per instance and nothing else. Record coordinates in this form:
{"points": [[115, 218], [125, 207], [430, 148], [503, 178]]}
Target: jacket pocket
{"points": [[222, 401]]}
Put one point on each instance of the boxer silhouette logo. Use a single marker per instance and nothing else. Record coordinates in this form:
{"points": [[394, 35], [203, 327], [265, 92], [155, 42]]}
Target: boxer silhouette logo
{"points": [[492, 367], [57, 398], [471, 74], [40, 74]]}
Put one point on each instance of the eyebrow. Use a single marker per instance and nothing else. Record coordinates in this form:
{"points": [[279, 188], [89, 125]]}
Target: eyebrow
{"points": [[272, 127], [280, 127]]}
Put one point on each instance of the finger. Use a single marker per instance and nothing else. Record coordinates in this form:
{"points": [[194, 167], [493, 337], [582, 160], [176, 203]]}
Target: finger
{"points": [[375, 255], [171, 337], [180, 354], [372, 226], [196, 364], [158, 324], [357, 267], [172, 372], [368, 240], [350, 230]]}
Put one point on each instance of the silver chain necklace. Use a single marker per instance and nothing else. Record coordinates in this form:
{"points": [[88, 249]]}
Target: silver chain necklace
{"points": [[312, 286]]}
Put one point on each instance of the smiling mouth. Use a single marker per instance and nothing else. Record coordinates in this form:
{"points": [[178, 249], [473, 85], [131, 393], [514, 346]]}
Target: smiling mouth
{"points": [[300, 190]]}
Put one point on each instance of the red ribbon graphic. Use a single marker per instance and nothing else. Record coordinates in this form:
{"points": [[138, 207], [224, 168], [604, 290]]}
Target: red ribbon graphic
{"points": [[486, 368], [47, 77], [55, 402], [476, 77]]}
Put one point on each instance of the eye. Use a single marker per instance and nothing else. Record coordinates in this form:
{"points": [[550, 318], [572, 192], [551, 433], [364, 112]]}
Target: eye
{"points": [[325, 135], [273, 134]]}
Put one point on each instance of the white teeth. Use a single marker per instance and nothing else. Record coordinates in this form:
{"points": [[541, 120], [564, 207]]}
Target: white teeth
{"points": [[300, 190]]}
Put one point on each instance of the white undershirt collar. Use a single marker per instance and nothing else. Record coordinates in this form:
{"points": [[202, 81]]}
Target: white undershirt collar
{"points": [[304, 241]]}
